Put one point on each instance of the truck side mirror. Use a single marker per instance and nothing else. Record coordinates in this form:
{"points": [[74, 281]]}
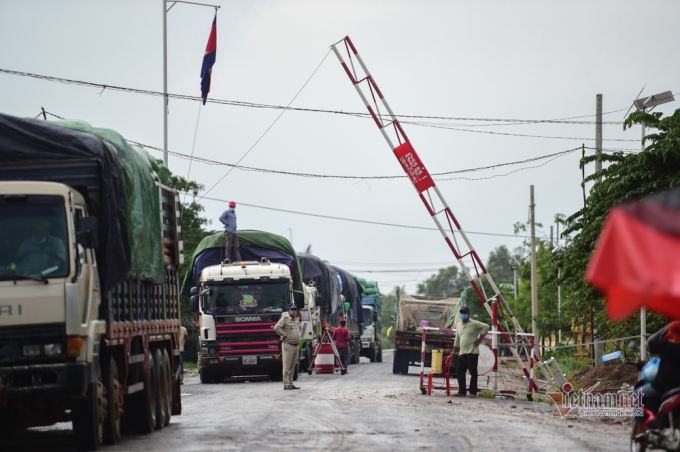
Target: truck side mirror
{"points": [[193, 291], [299, 299], [375, 316], [89, 232], [392, 320], [193, 303]]}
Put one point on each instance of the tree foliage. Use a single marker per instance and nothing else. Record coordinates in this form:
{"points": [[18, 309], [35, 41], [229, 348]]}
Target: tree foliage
{"points": [[626, 178]]}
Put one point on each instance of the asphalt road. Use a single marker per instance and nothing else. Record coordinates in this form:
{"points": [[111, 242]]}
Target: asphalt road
{"points": [[367, 409]]}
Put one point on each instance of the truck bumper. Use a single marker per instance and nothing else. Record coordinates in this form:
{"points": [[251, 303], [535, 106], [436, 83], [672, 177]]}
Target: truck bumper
{"points": [[44, 380], [242, 361]]}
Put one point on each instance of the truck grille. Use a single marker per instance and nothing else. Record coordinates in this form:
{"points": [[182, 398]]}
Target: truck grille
{"points": [[245, 338]]}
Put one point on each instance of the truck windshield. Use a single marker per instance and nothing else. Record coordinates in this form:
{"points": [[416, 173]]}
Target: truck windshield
{"points": [[368, 317], [33, 237], [260, 298]]}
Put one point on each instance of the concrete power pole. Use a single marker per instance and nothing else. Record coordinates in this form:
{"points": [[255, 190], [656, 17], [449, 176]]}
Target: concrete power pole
{"points": [[534, 282], [598, 133]]}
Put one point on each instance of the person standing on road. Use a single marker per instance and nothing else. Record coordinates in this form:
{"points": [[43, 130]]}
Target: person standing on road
{"points": [[182, 341], [290, 331], [468, 336], [341, 337], [228, 219]]}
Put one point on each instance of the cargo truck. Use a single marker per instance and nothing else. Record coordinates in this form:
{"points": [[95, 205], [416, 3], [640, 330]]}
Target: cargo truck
{"points": [[414, 312], [90, 247], [238, 305], [371, 338]]}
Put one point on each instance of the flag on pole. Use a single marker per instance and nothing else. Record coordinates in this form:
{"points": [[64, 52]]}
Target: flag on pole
{"points": [[208, 61]]}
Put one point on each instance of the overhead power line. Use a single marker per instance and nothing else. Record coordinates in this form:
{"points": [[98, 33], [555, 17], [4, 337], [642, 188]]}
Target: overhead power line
{"points": [[313, 110], [356, 221]]}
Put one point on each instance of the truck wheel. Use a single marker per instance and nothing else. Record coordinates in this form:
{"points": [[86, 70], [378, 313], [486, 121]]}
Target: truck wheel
{"points": [[395, 362], [372, 352], [309, 360], [176, 392], [161, 390], [207, 377], [114, 392], [379, 358], [144, 405], [297, 371], [167, 378], [89, 415], [276, 374]]}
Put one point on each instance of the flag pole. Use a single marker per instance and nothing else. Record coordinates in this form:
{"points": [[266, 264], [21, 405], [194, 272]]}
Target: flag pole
{"points": [[165, 69]]}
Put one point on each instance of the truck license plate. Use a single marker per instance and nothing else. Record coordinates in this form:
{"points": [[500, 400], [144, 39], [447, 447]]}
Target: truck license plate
{"points": [[250, 360]]}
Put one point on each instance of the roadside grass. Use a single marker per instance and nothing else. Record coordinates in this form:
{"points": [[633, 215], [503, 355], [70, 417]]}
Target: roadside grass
{"points": [[190, 365]]}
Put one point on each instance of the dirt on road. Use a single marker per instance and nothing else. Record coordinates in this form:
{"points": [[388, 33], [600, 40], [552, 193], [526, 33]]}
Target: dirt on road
{"points": [[367, 409]]}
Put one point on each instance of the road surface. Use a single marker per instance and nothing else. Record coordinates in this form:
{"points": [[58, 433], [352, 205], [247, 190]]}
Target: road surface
{"points": [[368, 409]]}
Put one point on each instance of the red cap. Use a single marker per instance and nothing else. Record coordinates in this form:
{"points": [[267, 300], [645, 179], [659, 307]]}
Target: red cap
{"points": [[232, 204]]}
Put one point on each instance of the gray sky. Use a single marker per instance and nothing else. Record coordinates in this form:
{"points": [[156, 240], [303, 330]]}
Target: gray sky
{"points": [[483, 59]]}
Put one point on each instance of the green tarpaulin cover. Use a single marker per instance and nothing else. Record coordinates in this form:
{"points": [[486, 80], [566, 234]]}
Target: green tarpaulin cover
{"points": [[142, 206], [248, 237]]}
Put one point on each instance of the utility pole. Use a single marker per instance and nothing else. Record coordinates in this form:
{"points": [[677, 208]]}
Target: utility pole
{"points": [[598, 134], [559, 291], [534, 282], [551, 237], [643, 310]]}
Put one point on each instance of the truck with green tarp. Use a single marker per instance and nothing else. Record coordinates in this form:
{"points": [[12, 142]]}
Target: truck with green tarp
{"points": [[237, 304], [90, 249], [371, 338]]}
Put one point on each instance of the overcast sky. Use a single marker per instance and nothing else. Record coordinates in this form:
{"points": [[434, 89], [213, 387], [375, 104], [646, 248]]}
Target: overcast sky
{"points": [[483, 59]]}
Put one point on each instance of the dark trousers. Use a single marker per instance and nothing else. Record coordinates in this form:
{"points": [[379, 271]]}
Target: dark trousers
{"points": [[344, 355], [466, 363], [232, 242]]}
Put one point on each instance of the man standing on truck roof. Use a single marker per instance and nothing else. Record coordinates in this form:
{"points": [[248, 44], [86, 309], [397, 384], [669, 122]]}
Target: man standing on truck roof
{"points": [[290, 331], [228, 219], [341, 337], [468, 336]]}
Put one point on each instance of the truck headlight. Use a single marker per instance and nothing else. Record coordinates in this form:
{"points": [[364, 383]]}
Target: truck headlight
{"points": [[204, 350], [32, 350], [52, 349]]}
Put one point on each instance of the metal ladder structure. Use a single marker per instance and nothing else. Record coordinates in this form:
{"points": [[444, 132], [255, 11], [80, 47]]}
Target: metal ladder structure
{"points": [[436, 205]]}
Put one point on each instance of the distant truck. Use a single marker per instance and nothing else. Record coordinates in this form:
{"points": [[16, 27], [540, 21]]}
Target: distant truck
{"points": [[408, 337], [90, 249], [371, 339]]}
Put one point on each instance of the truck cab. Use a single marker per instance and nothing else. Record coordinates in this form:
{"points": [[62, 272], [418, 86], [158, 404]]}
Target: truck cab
{"points": [[371, 342], [50, 293], [237, 306]]}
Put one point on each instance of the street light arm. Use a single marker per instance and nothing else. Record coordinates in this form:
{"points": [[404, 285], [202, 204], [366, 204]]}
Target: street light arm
{"points": [[174, 2]]}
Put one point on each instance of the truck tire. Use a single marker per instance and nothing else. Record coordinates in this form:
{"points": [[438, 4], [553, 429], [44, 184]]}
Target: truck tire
{"points": [[115, 403], [207, 377], [89, 415], [161, 393], [297, 371], [309, 360], [276, 374], [379, 357], [144, 404], [395, 362], [372, 352], [354, 350], [168, 386]]}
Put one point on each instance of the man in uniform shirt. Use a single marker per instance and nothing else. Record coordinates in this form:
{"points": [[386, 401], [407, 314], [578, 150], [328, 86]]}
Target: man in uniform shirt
{"points": [[288, 327], [468, 336]]}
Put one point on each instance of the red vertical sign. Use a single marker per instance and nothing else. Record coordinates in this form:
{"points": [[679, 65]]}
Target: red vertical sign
{"points": [[414, 167]]}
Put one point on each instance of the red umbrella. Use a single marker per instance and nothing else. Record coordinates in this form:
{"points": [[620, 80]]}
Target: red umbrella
{"points": [[636, 262]]}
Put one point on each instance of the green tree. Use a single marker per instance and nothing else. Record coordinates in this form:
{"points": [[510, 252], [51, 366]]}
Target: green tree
{"points": [[626, 178]]}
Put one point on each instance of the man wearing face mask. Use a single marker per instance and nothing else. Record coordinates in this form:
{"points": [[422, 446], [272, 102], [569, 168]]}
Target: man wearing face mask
{"points": [[468, 336], [228, 219], [288, 327], [41, 251]]}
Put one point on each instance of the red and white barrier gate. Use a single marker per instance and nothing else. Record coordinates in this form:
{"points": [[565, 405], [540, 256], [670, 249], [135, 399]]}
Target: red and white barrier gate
{"points": [[391, 129], [323, 359]]}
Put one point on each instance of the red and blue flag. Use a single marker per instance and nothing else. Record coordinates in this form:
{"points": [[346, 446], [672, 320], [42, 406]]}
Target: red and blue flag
{"points": [[209, 61]]}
